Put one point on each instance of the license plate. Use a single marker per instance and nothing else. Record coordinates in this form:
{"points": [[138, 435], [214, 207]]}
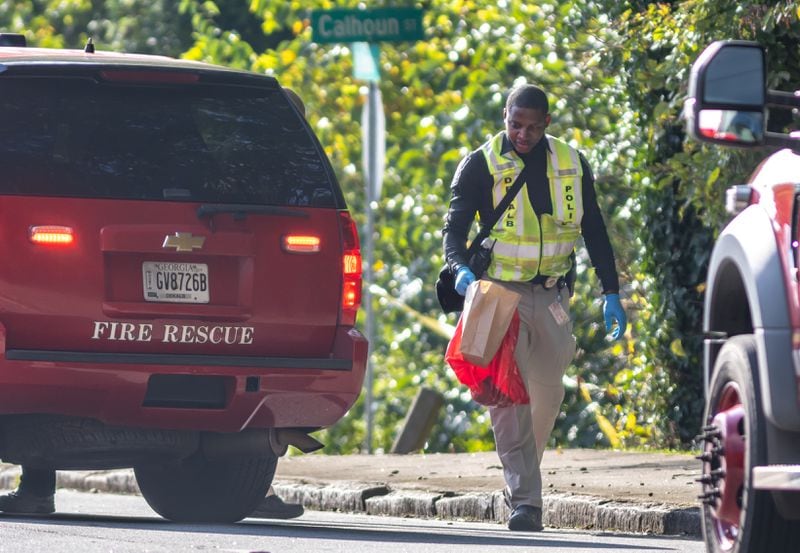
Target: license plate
{"points": [[175, 282]]}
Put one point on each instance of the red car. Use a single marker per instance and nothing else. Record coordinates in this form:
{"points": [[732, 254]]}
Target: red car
{"points": [[180, 275]]}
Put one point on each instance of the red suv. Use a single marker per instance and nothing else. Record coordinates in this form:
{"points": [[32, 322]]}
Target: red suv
{"points": [[180, 275]]}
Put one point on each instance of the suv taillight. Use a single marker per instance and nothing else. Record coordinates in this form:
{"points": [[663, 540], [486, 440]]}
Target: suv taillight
{"points": [[51, 235], [351, 270]]}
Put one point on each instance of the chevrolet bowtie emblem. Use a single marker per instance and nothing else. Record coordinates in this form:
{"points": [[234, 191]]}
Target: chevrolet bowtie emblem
{"points": [[183, 241]]}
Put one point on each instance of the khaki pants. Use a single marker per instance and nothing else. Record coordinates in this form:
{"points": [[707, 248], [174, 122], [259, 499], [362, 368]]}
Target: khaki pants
{"points": [[544, 350]]}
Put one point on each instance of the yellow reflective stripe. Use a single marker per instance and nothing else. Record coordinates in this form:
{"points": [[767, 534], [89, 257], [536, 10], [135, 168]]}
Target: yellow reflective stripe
{"points": [[577, 195], [557, 191], [504, 249], [555, 249], [565, 172], [551, 268], [550, 249], [512, 273], [516, 262], [556, 232], [498, 192], [512, 213], [521, 207], [563, 158], [504, 170], [528, 245], [496, 161]]}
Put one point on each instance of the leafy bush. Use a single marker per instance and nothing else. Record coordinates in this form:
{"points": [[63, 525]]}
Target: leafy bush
{"points": [[615, 95]]}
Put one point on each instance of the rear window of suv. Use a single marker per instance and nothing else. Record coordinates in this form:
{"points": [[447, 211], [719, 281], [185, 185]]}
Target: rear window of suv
{"points": [[211, 143]]}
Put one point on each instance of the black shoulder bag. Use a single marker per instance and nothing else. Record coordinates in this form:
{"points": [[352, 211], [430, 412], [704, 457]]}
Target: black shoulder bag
{"points": [[479, 258]]}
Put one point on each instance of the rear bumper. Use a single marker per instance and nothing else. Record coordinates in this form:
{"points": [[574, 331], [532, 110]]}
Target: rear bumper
{"points": [[256, 392]]}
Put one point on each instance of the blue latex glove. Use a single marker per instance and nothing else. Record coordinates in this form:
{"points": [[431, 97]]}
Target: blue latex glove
{"points": [[613, 311], [464, 277]]}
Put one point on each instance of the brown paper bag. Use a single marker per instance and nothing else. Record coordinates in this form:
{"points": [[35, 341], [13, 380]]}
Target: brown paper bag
{"points": [[488, 308]]}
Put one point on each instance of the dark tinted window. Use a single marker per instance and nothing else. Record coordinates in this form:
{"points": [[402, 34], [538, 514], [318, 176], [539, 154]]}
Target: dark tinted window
{"points": [[220, 144]]}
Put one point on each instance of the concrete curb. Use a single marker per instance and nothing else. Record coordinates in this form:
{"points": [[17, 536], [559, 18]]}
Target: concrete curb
{"points": [[559, 510]]}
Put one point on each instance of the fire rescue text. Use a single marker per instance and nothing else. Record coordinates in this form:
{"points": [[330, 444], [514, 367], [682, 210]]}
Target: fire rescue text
{"points": [[170, 333]]}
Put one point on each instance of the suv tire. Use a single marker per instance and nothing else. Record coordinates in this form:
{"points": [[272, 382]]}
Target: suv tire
{"points": [[203, 490], [734, 435]]}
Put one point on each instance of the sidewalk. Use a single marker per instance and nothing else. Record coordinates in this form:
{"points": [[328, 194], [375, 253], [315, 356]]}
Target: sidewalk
{"points": [[589, 489]]}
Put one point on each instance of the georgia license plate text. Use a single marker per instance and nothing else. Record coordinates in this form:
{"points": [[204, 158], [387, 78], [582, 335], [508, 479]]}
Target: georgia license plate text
{"points": [[175, 282]]}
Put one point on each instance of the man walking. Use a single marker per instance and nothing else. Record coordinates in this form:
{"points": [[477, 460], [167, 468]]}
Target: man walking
{"points": [[532, 255]]}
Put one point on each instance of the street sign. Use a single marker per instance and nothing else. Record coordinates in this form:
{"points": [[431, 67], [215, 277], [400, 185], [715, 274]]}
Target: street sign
{"points": [[365, 28], [377, 25], [365, 61]]}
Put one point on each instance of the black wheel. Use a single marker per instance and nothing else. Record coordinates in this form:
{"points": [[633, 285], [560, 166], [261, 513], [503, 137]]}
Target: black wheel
{"points": [[737, 518], [202, 490]]}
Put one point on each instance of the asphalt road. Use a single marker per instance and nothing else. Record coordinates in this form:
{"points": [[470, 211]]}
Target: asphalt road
{"points": [[99, 522], [599, 490]]}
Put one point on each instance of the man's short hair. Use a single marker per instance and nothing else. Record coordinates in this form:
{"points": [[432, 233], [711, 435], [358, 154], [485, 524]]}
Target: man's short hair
{"points": [[528, 96]]}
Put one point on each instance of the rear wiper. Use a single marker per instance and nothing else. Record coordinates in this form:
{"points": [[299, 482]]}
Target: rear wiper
{"points": [[240, 211]]}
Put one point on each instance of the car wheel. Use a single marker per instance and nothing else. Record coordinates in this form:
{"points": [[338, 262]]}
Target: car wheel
{"points": [[203, 490], [737, 518]]}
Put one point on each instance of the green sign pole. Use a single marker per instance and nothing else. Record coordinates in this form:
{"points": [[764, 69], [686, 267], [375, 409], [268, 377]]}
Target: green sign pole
{"points": [[372, 176], [364, 28]]}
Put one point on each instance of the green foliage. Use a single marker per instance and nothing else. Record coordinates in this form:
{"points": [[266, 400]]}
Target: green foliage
{"points": [[146, 26], [615, 95], [680, 185], [442, 97]]}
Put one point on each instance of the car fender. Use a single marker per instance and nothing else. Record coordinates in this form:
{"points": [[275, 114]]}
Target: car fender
{"points": [[745, 266]]}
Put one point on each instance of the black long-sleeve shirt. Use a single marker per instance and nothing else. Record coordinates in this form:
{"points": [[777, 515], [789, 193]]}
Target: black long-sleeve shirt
{"points": [[471, 193]]}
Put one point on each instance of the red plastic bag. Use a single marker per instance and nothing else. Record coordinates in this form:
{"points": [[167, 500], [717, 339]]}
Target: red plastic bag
{"points": [[497, 385]]}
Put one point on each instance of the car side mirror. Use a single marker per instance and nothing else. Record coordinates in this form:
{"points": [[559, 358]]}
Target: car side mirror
{"points": [[727, 94]]}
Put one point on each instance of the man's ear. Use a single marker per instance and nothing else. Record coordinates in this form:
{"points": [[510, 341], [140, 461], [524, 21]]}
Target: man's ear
{"points": [[505, 112], [547, 120]]}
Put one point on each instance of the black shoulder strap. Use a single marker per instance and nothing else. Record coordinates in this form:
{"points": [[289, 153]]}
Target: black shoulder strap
{"points": [[487, 227]]}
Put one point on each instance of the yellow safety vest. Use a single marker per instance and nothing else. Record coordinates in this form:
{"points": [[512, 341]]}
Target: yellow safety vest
{"points": [[528, 245]]}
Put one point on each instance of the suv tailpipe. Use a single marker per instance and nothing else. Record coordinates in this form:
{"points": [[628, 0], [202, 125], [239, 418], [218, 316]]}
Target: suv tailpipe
{"points": [[281, 438]]}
